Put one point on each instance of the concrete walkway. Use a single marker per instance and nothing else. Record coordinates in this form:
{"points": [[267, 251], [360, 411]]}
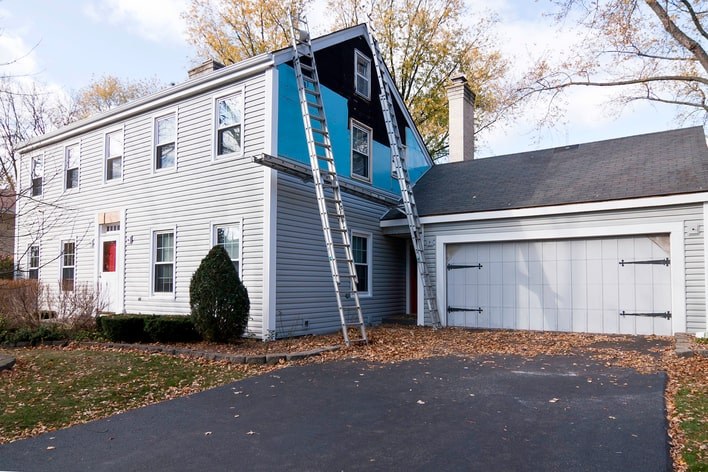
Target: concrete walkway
{"points": [[493, 413]]}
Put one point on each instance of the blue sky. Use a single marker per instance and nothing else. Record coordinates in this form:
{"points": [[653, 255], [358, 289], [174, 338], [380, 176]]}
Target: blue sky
{"points": [[66, 44]]}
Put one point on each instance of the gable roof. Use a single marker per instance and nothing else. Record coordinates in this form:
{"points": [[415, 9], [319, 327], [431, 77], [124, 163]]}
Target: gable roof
{"points": [[657, 164]]}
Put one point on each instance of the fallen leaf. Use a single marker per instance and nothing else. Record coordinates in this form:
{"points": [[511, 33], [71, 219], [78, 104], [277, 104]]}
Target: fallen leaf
{"points": [[420, 402], [553, 400]]}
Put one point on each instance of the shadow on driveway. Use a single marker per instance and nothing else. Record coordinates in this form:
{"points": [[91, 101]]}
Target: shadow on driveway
{"points": [[490, 413]]}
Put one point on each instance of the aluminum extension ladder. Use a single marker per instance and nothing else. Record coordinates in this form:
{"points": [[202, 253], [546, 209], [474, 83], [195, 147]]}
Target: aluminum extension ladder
{"points": [[327, 189], [409, 206]]}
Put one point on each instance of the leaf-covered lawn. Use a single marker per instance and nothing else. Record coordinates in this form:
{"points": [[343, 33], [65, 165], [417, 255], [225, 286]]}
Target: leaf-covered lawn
{"points": [[53, 388]]}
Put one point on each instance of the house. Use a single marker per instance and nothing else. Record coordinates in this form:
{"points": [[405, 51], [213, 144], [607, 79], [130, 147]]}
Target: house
{"points": [[132, 199], [603, 237]]}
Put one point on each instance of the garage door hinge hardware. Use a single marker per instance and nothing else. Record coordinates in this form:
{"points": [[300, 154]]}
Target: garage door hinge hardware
{"points": [[462, 266], [452, 309], [666, 314], [665, 262]]}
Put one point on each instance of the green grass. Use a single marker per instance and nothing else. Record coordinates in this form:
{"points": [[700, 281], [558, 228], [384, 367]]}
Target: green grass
{"points": [[692, 405], [52, 388]]}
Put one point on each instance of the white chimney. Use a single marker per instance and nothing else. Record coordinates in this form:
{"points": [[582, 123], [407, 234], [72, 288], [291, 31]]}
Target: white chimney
{"points": [[461, 120]]}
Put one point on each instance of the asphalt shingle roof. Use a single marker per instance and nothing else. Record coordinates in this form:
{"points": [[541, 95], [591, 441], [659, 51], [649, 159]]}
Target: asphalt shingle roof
{"points": [[665, 163]]}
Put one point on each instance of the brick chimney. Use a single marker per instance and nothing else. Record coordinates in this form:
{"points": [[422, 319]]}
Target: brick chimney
{"points": [[205, 67], [461, 120]]}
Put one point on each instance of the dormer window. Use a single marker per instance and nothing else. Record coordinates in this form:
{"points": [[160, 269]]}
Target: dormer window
{"points": [[362, 75]]}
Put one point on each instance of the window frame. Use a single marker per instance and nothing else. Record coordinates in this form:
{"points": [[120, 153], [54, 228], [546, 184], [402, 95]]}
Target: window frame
{"points": [[368, 237], [369, 133], [360, 55], [156, 145], [106, 157], [154, 263], [64, 266], [216, 129], [214, 242], [33, 188], [33, 269], [67, 147]]}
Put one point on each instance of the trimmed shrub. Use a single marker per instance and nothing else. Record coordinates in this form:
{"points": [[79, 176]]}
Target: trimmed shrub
{"points": [[218, 299], [35, 335], [170, 329], [124, 328]]}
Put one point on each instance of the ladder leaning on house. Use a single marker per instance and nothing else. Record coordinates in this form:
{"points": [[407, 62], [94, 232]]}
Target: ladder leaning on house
{"points": [[401, 170], [327, 189]]}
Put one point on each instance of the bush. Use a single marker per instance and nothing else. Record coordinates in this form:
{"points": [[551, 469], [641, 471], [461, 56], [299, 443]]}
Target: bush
{"points": [[7, 268], [218, 299], [124, 328], [147, 328], [170, 329], [35, 335], [20, 302]]}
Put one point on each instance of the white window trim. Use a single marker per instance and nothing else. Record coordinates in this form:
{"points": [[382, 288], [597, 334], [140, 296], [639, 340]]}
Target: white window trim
{"points": [[156, 117], [153, 257], [120, 129], [39, 260], [240, 91], [65, 167], [61, 261], [353, 123], [237, 222], [358, 54], [369, 261], [41, 157]]}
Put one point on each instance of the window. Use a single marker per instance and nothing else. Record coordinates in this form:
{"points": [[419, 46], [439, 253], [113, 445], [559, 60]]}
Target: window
{"points": [[229, 236], [165, 139], [34, 262], [68, 265], [361, 151], [37, 176], [71, 164], [164, 257], [228, 133], [360, 252], [114, 155], [362, 75]]}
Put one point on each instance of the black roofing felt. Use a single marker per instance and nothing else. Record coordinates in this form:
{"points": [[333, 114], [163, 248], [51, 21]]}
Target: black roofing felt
{"points": [[664, 163]]}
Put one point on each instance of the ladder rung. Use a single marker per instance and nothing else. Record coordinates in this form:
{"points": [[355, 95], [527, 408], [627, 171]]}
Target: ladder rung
{"points": [[313, 104]]}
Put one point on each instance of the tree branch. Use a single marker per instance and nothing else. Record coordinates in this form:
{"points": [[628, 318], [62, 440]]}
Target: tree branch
{"points": [[670, 26], [694, 17]]}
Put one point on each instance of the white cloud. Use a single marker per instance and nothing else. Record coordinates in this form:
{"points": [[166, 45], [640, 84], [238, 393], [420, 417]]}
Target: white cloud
{"points": [[155, 20]]}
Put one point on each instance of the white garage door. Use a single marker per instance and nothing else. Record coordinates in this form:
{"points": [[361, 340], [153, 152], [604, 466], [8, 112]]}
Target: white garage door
{"points": [[609, 285]]}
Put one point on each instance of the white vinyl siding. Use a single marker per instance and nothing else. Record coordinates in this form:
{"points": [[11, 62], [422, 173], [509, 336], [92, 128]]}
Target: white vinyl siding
{"points": [[204, 191], [306, 302]]}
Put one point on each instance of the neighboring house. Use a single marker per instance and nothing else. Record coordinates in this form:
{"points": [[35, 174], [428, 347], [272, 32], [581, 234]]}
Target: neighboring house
{"points": [[7, 223], [603, 237], [132, 199]]}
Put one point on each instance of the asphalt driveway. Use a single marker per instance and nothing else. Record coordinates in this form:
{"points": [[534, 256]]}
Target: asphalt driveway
{"points": [[491, 413]]}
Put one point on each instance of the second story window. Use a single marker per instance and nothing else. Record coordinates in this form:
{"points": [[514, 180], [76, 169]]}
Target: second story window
{"points": [[228, 126], [362, 75], [165, 141], [71, 164], [114, 155], [37, 176], [361, 152]]}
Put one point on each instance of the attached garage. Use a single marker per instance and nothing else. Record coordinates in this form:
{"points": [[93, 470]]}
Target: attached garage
{"points": [[604, 237], [600, 285]]}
